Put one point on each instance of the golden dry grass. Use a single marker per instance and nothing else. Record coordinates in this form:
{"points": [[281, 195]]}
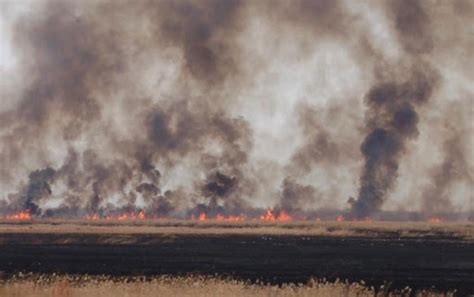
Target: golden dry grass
{"points": [[173, 227], [69, 286]]}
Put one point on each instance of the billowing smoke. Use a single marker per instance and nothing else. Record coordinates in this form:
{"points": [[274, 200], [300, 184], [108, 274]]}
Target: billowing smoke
{"points": [[392, 120], [295, 197], [391, 116], [38, 187], [173, 108]]}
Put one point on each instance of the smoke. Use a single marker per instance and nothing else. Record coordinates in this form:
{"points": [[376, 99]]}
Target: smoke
{"points": [[391, 116], [319, 147], [219, 185], [392, 120], [413, 26], [294, 196], [178, 107], [38, 188], [454, 166], [200, 29]]}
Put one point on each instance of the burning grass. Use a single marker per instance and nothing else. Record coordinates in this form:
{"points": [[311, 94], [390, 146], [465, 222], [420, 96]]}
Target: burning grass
{"points": [[71, 286], [22, 215]]}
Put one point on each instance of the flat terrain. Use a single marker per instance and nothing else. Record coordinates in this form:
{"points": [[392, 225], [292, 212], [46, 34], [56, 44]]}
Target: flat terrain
{"points": [[464, 231], [408, 254], [191, 286]]}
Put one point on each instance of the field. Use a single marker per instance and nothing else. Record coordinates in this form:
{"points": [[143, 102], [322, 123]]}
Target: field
{"points": [[54, 286], [375, 229], [421, 256]]}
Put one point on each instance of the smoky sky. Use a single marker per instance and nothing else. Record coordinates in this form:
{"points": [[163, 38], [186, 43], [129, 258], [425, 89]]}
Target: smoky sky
{"points": [[226, 106]]}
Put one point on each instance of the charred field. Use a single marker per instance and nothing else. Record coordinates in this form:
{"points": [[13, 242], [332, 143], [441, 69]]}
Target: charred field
{"points": [[397, 255]]}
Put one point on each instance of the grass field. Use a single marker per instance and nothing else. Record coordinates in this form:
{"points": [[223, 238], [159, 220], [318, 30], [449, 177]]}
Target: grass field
{"points": [[69, 286], [170, 227]]}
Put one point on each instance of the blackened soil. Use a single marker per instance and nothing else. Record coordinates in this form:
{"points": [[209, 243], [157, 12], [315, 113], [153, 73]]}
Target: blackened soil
{"points": [[441, 263]]}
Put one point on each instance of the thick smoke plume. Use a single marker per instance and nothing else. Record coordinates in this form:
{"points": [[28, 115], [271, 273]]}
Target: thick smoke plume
{"points": [[294, 196], [174, 108], [38, 188], [392, 120], [392, 116]]}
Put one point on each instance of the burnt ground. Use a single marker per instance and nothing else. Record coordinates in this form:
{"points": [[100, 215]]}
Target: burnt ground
{"points": [[442, 263]]}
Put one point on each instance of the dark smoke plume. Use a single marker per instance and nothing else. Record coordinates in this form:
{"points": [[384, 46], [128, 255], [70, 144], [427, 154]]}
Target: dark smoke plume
{"points": [[392, 116], [39, 187], [413, 26], [200, 28], [219, 185], [295, 197], [392, 119]]}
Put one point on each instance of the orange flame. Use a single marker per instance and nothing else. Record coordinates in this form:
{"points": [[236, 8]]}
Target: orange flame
{"points": [[219, 217], [230, 218], [131, 216], [269, 216], [340, 218], [435, 220], [22, 215], [283, 216], [93, 217], [202, 216]]}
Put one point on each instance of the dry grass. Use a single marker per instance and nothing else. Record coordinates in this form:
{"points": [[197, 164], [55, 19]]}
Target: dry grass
{"points": [[69, 286], [174, 227]]}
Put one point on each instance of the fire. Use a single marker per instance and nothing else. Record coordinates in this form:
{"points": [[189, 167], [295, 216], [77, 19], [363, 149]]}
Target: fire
{"points": [[270, 216], [202, 216], [93, 217], [22, 215], [340, 218], [219, 217], [235, 218], [230, 218], [283, 216], [435, 220], [131, 216]]}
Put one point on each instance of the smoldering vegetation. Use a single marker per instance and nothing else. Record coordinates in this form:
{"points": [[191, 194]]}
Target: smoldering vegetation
{"points": [[176, 108]]}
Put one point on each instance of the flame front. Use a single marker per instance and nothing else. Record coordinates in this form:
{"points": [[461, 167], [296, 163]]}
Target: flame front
{"points": [[219, 217], [22, 215], [230, 218], [131, 216], [270, 216], [435, 220]]}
